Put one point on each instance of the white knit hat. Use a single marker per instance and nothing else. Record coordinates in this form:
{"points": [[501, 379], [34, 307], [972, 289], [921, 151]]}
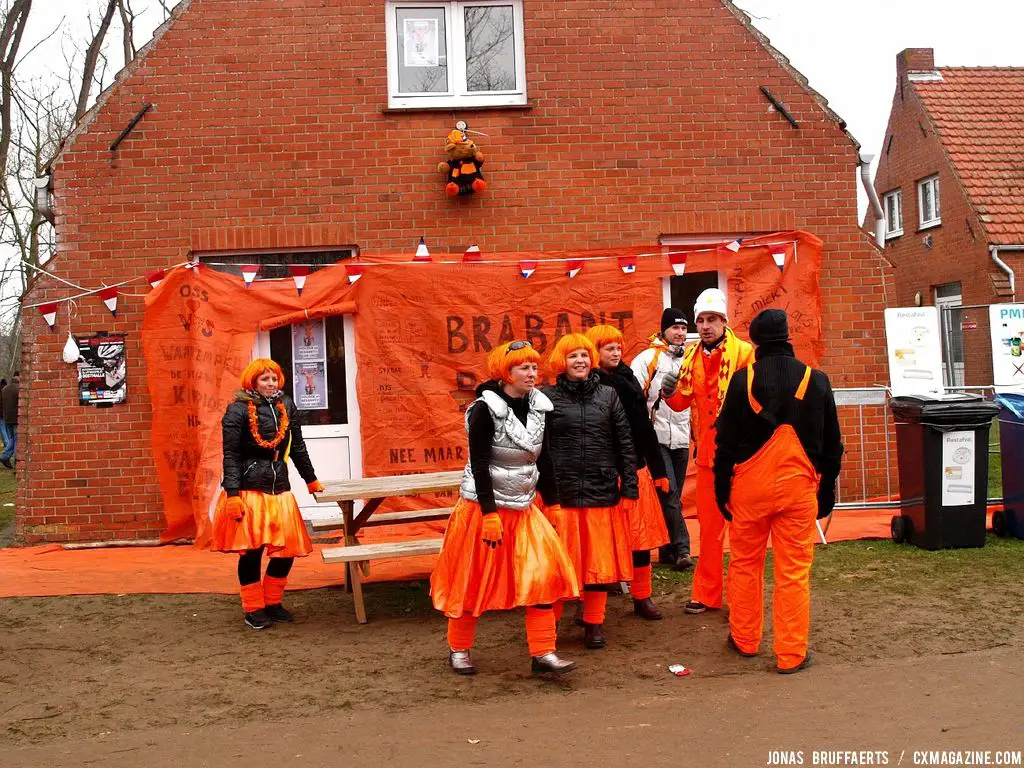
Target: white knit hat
{"points": [[711, 300]]}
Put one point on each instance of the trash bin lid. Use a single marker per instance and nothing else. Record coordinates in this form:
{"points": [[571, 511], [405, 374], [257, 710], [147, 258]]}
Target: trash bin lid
{"points": [[944, 410], [1013, 403]]}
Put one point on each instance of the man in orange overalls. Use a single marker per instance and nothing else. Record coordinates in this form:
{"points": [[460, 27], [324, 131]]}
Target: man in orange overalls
{"points": [[777, 460], [703, 380]]}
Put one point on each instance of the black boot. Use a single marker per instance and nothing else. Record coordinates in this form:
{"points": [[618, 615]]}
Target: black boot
{"points": [[551, 664], [278, 613], [646, 609], [593, 636], [258, 620]]}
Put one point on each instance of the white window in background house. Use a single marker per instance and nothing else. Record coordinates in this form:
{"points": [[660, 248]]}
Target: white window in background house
{"points": [[929, 212], [459, 53], [893, 204]]}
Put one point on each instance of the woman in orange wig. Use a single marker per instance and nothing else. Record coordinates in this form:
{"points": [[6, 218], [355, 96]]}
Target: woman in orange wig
{"points": [[595, 468], [500, 551], [256, 511], [647, 524]]}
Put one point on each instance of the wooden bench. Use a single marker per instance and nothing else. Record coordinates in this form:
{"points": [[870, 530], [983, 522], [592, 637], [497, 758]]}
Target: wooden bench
{"points": [[374, 490]]}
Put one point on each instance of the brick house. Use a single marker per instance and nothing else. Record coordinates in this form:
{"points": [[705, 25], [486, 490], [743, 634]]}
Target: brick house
{"points": [[303, 128], [951, 182]]}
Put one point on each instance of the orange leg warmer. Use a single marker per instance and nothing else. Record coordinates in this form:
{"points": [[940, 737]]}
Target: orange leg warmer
{"points": [[461, 632], [273, 590], [540, 630], [594, 604], [252, 597], [641, 586]]}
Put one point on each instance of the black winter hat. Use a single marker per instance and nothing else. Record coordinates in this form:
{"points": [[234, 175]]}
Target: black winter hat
{"points": [[769, 325], [672, 317]]}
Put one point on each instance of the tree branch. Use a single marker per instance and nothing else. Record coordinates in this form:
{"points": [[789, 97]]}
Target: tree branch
{"points": [[92, 55]]}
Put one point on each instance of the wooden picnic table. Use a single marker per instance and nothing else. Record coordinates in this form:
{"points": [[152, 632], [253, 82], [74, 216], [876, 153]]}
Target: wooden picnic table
{"points": [[374, 491]]}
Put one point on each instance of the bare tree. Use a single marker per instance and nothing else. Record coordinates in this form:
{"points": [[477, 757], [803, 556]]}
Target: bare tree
{"points": [[14, 22], [92, 57], [127, 29]]}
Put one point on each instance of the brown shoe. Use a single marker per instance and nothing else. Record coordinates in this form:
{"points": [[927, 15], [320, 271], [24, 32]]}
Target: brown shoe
{"points": [[745, 654], [593, 636], [793, 670], [684, 563], [646, 609]]}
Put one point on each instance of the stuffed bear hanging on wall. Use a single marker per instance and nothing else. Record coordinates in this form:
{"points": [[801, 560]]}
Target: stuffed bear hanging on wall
{"points": [[462, 168]]}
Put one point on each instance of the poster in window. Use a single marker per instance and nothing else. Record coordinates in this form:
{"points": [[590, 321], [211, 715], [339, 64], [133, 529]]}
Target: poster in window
{"points": [[102, 370], [421, 43], [310, 386], [308, 341]]}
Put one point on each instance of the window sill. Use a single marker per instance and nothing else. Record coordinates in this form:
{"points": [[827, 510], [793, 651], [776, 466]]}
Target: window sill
{"points": [[894, 234], [930, 225], [457, 108]]}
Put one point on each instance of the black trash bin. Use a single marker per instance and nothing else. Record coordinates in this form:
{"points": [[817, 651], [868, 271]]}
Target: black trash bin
{"points": [[942, 444]]}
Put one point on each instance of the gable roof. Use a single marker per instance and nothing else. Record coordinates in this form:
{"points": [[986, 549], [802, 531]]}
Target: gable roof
{"points": [[978, 113]]}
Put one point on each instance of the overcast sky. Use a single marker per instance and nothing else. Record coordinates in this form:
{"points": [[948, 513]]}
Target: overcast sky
{"points": [[846, 48]]}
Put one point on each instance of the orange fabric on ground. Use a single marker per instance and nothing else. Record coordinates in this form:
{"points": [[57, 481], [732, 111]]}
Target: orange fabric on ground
{"points": [[540, 631], [269, 521], [646, 522], [461, 632], [595, 605], [774, 492], [597, 540], [273, 589], [530, 567], [641, 586], [252, 597]]}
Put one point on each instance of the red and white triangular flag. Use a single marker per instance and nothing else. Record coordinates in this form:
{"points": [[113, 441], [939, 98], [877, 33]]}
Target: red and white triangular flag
{"points": [[780, 259], [249, 273], [299, 274], [627, 264], [472, 253], [154, 278], [109, 296], [354, 272], [527, 268], [422, 254], [734, 246], [573, 268], [49, 313], [678, 262]]}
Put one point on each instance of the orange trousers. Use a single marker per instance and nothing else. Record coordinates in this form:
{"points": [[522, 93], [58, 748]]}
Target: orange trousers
{"points": [[773, 493], [708, 581]]}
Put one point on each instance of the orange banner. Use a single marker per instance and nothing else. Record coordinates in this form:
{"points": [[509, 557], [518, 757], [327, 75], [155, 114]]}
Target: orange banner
{"points": [[422, 334]]}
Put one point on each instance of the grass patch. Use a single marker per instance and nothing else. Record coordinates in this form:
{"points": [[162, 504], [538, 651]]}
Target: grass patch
{"points": [[995, 463], [7, 487]]}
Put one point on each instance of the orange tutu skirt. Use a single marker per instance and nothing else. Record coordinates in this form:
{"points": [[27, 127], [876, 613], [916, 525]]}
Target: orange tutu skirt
{"points": [[531, 567], [270, 521], [598, 542], [647, 523]]}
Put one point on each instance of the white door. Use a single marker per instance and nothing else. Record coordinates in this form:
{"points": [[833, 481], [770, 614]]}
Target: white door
{"points": [[318, 358]]}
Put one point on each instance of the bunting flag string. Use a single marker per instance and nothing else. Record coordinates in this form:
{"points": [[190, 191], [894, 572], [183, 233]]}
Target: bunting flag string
{"points": [[109, 297], [627, 264], [678, 262], [422, 254], [573, 268], [49, 313], [780, 259], [354, 272], [154, 278], [249, 274], [472, 254], [299, 275], [527, 268]]}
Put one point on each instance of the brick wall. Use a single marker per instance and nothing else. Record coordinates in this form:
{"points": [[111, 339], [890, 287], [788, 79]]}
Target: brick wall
{"points": [[269, 128]]}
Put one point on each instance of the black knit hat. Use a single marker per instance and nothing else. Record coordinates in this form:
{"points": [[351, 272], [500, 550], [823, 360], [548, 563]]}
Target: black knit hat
{"points": [[769, 325], [672, 317]]}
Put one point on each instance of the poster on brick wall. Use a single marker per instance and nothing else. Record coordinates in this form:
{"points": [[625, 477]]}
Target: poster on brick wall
{"points": [[1006, 322], [102, 370], [915, 351]]}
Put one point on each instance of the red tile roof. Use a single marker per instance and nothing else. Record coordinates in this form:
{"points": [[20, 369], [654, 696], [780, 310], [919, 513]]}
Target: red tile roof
{"points": [[979, 113]]}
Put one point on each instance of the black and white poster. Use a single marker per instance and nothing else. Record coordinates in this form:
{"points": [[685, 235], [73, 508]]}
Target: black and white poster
{"points": [[102, 370], [310, 386]]}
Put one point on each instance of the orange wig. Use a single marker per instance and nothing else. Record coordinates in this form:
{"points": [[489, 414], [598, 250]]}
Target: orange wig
{"points": [[501, 360], [257, 368], [558, 359], [605, 334]]}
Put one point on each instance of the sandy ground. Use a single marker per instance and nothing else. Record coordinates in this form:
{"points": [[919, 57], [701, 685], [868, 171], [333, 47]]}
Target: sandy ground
{"points": [[161, 680]]}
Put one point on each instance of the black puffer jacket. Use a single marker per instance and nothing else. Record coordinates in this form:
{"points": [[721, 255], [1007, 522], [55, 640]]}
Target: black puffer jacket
{"points": [[645, 439], [587, 436], [248, 467]]}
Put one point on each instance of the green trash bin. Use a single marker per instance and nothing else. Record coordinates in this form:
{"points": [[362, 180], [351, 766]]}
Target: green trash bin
{"points": [[942, 445]]}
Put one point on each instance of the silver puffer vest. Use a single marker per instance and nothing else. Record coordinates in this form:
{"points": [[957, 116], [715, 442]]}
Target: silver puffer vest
{"points": [[514, 452]]}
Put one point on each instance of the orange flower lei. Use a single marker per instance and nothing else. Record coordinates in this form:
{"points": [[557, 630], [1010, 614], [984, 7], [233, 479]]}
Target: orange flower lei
{"points": [[254, 427]]}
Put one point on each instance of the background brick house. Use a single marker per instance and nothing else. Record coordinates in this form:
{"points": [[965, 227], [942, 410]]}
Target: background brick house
{"points": [[292, 129], [962, 129]]}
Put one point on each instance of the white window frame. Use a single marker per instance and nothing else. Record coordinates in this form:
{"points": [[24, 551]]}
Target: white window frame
{"points": [[893, 201], [667, 241], [936, 220], [455, 38]]}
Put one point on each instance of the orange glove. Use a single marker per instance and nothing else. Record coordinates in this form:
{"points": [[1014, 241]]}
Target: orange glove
{"points": [[662, 484], [236, 508], [315, 487], [491, 532], [628, 505]]}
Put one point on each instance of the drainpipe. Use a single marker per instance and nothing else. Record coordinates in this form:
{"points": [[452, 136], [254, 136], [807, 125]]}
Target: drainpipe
{"points": [[994, 251], [864, 162]]}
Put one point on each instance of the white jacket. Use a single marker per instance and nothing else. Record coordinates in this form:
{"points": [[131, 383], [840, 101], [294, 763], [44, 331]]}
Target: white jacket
{"points": [[672, 427]]}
